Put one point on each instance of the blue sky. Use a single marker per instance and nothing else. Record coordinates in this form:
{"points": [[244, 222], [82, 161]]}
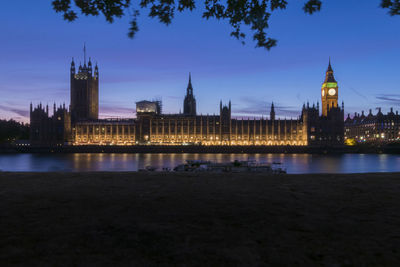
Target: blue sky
{"points": [[362, 40]]}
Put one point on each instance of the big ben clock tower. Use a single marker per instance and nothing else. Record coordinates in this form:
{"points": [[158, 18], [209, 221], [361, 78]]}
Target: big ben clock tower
{"points": [[329, 91]]}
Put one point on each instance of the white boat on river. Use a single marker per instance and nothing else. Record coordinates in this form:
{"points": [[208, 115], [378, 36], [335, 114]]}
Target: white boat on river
{"points": [[235, 166]]}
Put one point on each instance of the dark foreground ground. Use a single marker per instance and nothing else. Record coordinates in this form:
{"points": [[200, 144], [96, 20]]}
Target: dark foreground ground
{"points": [[139, 219]]}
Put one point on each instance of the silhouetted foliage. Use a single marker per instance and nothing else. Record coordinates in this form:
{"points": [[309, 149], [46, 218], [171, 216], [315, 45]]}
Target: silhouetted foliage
{"points": [[252, 13], [12, 130]]}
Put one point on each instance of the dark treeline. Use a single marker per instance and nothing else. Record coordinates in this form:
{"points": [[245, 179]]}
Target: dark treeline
{"points": [[12, 130]]}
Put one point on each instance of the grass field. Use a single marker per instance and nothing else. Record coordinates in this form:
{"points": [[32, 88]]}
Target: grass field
{"points": [[162, 219]]}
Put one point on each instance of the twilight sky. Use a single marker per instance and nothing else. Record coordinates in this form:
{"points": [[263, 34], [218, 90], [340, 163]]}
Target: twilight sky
{"points": [[362, 39]]}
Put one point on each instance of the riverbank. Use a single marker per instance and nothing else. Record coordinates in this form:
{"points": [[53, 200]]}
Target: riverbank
{"points": [[362, 148], [149, 219]]}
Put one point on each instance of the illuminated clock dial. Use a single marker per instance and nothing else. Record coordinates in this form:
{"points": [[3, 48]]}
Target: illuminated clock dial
{"points": [[332, 91], [323, 92]]}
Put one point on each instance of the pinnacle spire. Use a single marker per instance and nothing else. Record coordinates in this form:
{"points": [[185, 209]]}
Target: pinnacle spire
{"points": [[190, 81], [272, 112], [329, 65], [84, 54], [190, 87]]}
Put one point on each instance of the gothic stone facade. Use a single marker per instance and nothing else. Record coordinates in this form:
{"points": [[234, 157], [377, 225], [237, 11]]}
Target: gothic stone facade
{"points": [[48, 130], [152, 127], [84, 92]]}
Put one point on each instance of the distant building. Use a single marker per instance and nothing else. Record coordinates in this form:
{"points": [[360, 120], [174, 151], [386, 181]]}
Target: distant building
{"points": [[148, 107], [80, 124], [373, 128]]}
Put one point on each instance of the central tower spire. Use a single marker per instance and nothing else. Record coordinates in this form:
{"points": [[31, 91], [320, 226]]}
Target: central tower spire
{"points": [[189, 90], [272, 112], [189, 104]]}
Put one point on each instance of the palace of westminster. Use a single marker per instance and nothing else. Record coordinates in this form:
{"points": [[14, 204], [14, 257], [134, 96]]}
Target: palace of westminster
{"points": [[79, 124]]}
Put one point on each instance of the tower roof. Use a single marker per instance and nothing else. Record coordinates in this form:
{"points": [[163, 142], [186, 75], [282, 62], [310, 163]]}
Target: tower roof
{"points": [[329, 66], [329, 78]]}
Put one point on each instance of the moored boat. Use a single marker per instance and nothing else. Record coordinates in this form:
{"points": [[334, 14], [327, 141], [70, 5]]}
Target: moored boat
{"points": [[235, 166], [148, 169]]}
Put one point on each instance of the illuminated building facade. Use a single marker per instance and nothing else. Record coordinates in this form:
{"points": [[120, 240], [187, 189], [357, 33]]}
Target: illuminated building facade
{"points": [[175, 129], [373, 128], [152, 127], [104, 132]]}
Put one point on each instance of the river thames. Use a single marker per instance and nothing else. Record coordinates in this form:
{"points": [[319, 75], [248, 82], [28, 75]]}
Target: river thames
{"points": [[295, 163]]}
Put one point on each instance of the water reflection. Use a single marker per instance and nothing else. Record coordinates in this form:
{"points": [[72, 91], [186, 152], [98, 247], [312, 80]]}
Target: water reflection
{"points": [[295, 163]]}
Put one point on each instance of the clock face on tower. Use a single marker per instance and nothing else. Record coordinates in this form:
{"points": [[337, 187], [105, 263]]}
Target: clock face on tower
{"points": [[332, 91], [323, 92]]}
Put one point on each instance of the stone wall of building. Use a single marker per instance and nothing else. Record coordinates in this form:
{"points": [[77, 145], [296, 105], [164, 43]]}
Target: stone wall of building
{"points": [[46, 130], [80, 124]]}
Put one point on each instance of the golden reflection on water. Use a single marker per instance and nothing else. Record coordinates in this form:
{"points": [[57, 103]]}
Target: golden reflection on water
{"points": [[295, 163], [294, 158], [129, 162]]}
